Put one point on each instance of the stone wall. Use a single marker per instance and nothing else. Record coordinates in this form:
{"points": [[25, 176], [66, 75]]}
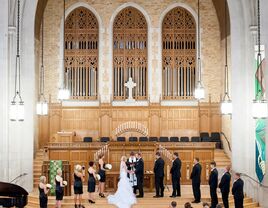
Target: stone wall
{"points": [[154, 12]]}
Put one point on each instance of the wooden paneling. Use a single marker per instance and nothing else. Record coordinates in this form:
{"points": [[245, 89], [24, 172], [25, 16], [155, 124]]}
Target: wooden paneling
{"points": [[82, 153], [103, 121]]}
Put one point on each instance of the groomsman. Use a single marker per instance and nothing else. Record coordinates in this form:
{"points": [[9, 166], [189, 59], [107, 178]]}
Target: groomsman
{"points": [[139, 171], [175, 171], [225, 186], [213, 184], [196, 180], [238, 191], [159, 176]]}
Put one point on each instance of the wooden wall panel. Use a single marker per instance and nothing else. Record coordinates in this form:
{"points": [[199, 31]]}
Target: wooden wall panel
{"points": [[82, 154], [103, 120]]}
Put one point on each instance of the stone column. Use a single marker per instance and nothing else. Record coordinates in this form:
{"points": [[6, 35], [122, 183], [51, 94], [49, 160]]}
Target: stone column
{"points": [[4, 92]]}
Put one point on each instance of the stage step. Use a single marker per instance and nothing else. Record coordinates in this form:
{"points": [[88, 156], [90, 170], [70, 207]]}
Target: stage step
{"points": [[37, 166], [221, 158], [147, 202]]}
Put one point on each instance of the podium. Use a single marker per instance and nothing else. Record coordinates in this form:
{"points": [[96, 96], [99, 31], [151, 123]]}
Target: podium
{"points": [[63, 136]]}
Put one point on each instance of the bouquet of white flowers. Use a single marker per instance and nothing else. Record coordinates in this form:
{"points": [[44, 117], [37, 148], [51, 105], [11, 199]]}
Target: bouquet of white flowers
{"points": [[108, 166], [49, 186], [64, 183], [98, 177]]}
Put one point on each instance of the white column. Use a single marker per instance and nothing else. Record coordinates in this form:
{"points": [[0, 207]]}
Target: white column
{"points": [[4, 95]]}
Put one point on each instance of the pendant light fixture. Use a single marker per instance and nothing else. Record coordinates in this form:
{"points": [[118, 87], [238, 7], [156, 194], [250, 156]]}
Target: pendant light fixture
{"points": [[259, 107], [226, 104], [64, 93], [42, 105], [199, 90], [17, 104]]}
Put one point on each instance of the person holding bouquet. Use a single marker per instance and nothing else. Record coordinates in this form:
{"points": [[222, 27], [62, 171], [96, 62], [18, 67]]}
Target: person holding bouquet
{"points": [[43, 191], [60, 184], [79, 177]]}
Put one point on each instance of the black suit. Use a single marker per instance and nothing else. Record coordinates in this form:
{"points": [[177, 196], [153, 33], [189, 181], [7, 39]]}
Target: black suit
{"points": [[213, 184], [159, 176], [238, 193], [196, 180], [225, 188], [139, 171], [176, 175]]}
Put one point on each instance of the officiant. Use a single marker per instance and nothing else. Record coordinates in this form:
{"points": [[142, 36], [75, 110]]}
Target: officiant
{"points": [[131, 163]]}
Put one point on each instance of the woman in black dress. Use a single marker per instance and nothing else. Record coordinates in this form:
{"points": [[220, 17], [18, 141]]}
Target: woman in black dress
{"points": [[43, 190], [102, 175], [79, 174], [59, 188], [91, 182]]}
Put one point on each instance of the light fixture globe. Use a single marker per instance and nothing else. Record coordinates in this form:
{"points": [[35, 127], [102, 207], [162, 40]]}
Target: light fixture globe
{"points": [[63, 94], [259, 109], [226, 107], [42, 108], [199, 91], [16, 111]]}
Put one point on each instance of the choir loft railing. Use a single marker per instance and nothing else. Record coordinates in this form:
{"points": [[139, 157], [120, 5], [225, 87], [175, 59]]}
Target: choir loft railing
{"points": [[130, 54], [81, 54], [178, 55]]}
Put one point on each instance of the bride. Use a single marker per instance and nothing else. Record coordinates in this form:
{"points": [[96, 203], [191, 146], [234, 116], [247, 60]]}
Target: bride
{"points": [[124, 196]]}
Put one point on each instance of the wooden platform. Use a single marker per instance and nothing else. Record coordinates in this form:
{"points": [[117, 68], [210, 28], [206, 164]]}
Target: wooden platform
{"points": [[147, 202]]}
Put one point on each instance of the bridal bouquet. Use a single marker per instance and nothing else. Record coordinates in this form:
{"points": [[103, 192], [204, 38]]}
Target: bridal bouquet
{"points": [[98, 177], [49, 186], [108, 166]]}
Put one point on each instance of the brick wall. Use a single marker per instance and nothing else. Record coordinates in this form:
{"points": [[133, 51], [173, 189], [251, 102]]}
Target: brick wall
{"points": [[212, 58]]}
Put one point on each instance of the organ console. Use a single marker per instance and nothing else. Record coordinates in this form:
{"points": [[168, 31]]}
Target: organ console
{"points": [[12, 195]]}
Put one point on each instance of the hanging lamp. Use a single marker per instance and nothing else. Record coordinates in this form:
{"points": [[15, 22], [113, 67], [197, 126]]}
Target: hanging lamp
{"points": [[259, 106], [199, 90], [42, 105], [226, 104], [17, 104], [64, 93]]}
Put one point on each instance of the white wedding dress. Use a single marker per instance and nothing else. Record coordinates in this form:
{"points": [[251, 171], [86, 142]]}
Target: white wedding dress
{"points": [[124, 196]]}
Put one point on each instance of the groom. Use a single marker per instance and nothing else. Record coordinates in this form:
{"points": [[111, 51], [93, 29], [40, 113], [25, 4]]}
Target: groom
{"points": [[139, 171]]}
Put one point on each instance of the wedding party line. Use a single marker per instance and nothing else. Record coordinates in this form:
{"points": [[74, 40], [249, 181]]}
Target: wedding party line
{"points": [[131, 180]]}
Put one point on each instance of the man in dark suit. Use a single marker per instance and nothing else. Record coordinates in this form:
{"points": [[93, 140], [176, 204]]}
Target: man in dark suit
{"points": [[225, 186], [159, 176], [175, 171], [213, 184], [238, 191], [139, 171], [196, 180]]}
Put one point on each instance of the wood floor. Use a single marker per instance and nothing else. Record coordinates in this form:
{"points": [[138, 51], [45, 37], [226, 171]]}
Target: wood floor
{"points": [[147, 202]]}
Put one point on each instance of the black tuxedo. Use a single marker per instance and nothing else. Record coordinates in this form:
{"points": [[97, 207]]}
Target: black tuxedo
{"points": [[238, 193], [196, 180], [225, 188], [139, 171], [159, 176], [176, 175], [213, 184]]}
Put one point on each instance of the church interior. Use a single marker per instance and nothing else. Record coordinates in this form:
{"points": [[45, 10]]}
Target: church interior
{"points": [[81, 79]]}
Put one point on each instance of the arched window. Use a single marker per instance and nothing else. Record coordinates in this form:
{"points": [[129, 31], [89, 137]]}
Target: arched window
{"points": [[130, 54], [81, 54], [178, 55]]}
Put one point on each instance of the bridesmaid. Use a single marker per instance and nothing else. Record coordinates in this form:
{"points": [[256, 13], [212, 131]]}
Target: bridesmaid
{"points": [[59, 188], [43, 191], [79, 177], [91, 182], [102, 175]]}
